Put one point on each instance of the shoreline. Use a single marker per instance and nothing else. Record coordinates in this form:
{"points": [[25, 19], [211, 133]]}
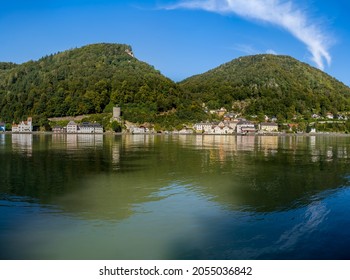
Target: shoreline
{"points": [[280, 134]]}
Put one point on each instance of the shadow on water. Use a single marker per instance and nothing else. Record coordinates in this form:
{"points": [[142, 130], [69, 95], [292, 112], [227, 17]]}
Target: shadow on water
{"points": [[317, 231]]}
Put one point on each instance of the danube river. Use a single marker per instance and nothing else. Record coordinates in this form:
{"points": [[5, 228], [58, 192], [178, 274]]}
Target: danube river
{"points": [[174, 197]]}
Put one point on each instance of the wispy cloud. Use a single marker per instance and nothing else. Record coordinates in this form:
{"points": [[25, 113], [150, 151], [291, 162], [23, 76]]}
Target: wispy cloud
{"points": [[247, 49], [270, 51], [281, 13]]}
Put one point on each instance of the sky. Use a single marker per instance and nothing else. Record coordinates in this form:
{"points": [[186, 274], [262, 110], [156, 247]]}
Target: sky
{"points": [[182, 38]]}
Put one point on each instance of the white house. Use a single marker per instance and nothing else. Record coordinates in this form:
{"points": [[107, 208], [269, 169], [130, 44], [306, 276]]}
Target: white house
{"points": [[186, 131], [23, 126], [98, 128], [72, 127], [268, 127], [59, 129], [330, 116], [222, 130], [203, 127], [231, 124], [90, 128], [244, 127], [138, 129], [86, 128]]}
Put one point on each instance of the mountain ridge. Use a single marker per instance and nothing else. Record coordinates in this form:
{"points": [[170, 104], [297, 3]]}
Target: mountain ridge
{"points": [[93, 78]]}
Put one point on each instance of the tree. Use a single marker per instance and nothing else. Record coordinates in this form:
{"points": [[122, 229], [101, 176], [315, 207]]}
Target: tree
{"points": [[116, 126]]}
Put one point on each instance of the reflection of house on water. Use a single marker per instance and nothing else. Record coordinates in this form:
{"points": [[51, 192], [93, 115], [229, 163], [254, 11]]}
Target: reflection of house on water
{"points": [[77, 141], [246, 143], [315, 153], [207, 141], [22, 143], [219, 147], [130, 141], [268, 144], [116, 155]]}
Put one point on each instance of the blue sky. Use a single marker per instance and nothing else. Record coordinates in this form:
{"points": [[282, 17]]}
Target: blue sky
{"points": [[182, 37]]}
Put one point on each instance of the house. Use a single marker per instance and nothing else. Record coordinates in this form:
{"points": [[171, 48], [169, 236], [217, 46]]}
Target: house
{"points": [[274, 119], [86, 127], [342, 117], [138, 130], [89, 128], [223, 130], [2, 126], [330, 116], [58, 129], [203, 127], [293, 126], [217, 130], [98, 128], [23, 126], [72, 127], [185, 131], [220, 112], [230, 116], [244, 127], [231, 124], [268, 127]]}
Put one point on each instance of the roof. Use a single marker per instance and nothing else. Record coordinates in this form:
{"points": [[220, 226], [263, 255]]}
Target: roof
{"points": [[245, 123], [72, 123], [269, 124]]}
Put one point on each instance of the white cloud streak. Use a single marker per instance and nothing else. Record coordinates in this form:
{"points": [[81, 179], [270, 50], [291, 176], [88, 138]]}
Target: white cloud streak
{"points": [[277, 12]]}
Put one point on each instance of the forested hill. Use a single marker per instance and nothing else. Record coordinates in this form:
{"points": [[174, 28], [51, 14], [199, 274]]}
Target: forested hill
{"points": [[84, 80], [270, 84], [92, 79]]}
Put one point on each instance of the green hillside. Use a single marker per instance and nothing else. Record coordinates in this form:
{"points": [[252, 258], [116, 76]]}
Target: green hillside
{"points": [[269, 84], [93, 78], [86, 80]]}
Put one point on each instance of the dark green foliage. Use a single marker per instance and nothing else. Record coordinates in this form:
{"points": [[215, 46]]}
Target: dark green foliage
{"points": [[7, 65], [341, 127], [116, 127], [272, 85]]}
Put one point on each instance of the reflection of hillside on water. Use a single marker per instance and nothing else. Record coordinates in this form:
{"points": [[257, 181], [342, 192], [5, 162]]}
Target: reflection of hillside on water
{"points": [[280, 173], [266, 173]]}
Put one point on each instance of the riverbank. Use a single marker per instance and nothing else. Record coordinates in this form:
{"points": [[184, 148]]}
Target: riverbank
{"points": [[280, 134]]}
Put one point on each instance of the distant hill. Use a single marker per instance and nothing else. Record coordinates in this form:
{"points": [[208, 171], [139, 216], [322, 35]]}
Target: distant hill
{"points": [[84, 80], [269, 84]]}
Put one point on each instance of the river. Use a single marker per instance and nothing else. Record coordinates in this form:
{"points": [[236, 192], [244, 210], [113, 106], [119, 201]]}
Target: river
{"points": [[174, 197]]}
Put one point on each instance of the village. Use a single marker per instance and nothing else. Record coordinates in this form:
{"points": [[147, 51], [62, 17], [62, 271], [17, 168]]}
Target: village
{"points": [[227, 126], [227, 123]]}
